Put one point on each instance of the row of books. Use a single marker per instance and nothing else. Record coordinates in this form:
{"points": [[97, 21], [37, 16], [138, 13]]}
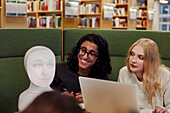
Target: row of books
{"points": [[119, 1], [141, 23], [119, 12], [119, 22], [44, 5], [44, 21], [141, 2], [31, 6], [89, 8], [49, 21], [89, 22], [141, 13], [31, 21]]}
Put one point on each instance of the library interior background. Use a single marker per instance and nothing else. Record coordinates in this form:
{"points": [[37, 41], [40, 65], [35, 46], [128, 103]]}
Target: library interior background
{"points": [[89, 14]]}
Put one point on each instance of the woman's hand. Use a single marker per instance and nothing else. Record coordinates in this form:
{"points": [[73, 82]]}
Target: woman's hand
{"points": [[79, 97], [160, 109]]}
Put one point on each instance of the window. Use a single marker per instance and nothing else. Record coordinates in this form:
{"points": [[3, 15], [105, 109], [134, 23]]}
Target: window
{"points": [[164, 9], [164, 27], [164, 18]]}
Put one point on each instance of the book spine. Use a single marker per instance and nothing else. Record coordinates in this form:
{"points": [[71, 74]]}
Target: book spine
{"points": [[59, 21], [58, 5]]}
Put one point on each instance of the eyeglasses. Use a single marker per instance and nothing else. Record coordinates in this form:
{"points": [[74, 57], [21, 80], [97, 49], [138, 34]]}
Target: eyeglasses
{"points": [[91, 55]]}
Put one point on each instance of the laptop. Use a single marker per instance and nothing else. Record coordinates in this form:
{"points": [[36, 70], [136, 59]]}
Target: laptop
{"points": [[104, 96]]}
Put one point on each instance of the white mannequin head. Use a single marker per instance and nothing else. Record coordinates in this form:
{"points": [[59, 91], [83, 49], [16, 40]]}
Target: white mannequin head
{"points": [[39, 62]]}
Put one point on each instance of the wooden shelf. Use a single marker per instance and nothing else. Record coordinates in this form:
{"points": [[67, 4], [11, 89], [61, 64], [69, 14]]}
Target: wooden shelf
{"points": [[120, 16], [103, 23], [119, 27], [141, 27], [145, 17], [42, 16], [90, 0], [121, 20], [143, 20], [142, 7], [92, 18], [94, 14], [88, 27], [32, 12], [49, 27], [119, 5], [56, 11]]}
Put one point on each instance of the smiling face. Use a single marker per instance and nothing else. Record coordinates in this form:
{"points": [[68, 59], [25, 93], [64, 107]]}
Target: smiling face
{"points": [[136, 60], [41, 67], [85, 63]]}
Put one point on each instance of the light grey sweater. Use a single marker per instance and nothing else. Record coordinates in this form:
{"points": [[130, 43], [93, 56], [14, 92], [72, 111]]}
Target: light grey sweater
{"points": [[130, 78]]}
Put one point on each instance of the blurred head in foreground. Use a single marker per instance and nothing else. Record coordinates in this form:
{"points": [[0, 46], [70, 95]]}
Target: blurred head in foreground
{"points": [[53, 102]]}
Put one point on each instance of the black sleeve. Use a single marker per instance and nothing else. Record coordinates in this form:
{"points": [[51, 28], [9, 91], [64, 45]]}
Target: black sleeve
{"points": [[106, 78], [56, 83]]}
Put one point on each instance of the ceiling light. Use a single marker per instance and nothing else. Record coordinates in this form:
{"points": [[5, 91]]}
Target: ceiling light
{"points": [[163, 1]]}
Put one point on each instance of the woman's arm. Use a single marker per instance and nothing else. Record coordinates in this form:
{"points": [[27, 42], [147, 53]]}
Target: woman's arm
{"points": [[166, 94]]}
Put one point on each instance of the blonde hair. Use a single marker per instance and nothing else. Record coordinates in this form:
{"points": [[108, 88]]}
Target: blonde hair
{"points": [[151, 79]]}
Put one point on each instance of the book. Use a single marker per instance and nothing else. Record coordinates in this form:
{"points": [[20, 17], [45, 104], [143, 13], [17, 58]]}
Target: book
{"points": [[58, 4]]}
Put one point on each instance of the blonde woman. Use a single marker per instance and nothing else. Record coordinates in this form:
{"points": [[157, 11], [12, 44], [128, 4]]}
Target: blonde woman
{"points": [[153, 80]]}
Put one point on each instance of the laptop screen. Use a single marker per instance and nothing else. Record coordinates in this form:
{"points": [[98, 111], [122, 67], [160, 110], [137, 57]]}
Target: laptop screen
{"points": [[103, 96]]}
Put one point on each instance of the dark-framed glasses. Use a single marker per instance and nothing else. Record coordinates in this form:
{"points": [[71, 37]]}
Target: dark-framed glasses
{"points": [[91, 54]]}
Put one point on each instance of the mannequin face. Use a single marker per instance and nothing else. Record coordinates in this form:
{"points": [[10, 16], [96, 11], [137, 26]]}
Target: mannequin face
{"points": [[41, 67]]}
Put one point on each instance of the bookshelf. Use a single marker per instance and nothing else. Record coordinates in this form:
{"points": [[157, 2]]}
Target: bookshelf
{"points": [[36, 13], [142, 22], [120, 14], [44, 13], [90, 14], [123, 20]]}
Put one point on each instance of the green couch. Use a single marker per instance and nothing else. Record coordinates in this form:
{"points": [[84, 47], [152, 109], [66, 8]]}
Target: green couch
{"points": [[119, 42], [13, 45], [15, 42]]}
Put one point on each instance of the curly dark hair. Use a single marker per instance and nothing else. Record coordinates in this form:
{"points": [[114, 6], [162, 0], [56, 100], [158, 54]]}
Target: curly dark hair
{"points": [[102, 66]]}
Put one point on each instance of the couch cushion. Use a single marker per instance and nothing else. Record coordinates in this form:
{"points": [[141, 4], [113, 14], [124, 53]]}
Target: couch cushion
{"points": [[13, 80], [15, 42]]}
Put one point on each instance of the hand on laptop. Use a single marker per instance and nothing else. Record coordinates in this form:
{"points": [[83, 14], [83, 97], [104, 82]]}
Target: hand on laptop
{"points": [[160, 109], [79, 97], [68, 93]]}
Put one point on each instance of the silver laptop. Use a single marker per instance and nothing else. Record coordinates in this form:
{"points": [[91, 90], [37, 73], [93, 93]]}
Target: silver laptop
{"points": [[103, 96]]}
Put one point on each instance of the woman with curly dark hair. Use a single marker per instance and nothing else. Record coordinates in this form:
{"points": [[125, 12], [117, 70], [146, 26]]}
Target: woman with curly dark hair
{"points": [[89, 58]]}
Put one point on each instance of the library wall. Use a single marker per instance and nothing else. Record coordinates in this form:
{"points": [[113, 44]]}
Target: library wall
{"points": [[150, 6], [106, 24], [11, 22], [155, 24], [69, 22], [21, 22], [132, 23]]}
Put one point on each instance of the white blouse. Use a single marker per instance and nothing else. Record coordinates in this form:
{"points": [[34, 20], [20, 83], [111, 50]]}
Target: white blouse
{"points": [[130, 78]]}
